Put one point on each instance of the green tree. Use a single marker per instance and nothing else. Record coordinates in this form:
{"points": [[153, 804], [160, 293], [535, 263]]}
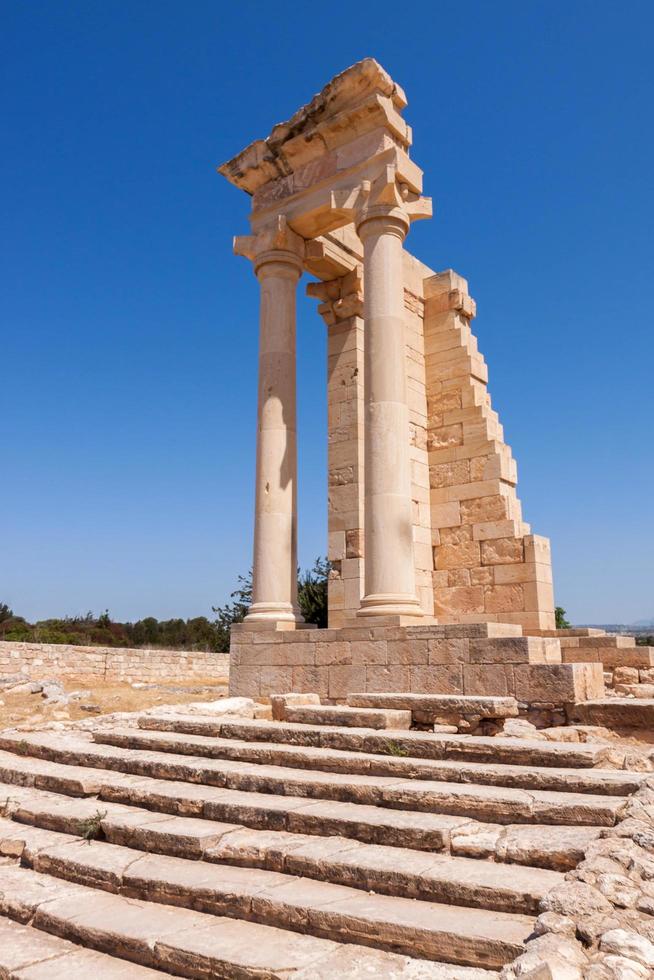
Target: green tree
{"points": [[5, 612], [232, 612], [560, 620], [312, 593]]}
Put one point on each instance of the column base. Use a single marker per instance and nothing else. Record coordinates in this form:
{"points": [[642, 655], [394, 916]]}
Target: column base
{"points": [[391, 605]]}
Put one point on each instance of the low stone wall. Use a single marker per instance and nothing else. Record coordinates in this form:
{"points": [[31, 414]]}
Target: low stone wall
{"points": [[37, 660]]}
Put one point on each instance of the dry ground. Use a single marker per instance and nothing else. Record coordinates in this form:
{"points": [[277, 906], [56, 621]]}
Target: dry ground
{"points": [[108, 696]]}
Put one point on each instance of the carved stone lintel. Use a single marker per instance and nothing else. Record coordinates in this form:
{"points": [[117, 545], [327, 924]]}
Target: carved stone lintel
{"points": [[341, 298]]}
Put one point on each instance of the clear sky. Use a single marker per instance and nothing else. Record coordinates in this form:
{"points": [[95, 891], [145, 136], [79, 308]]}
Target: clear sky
{"points": [[129, 331]]}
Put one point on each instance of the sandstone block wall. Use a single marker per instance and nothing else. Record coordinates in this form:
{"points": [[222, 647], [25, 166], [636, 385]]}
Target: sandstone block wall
{"points": [[37, 660], [465, 659], [476, 560], [487, 564]]}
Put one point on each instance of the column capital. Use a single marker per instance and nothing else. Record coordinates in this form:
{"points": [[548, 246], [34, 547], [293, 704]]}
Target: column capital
{"points": [[275, 243], [390, 204]]}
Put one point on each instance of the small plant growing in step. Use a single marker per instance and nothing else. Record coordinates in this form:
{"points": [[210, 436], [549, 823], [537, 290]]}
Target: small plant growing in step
{"points": [[91, 828], [23, 746], [394, 748], [6, 808]]}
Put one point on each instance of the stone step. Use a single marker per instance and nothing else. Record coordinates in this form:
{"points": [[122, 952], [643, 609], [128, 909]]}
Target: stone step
{"points": [[552, 848], [350, 717], [29, 954], [615, 713], [427, 708], [433, 931], [23, 770], [613, 782], [427, 745], [380, 868], [492, 804], [194, 944]]}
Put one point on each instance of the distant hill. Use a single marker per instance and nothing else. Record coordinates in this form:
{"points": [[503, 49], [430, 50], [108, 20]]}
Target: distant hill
{"points": [[643, 623]]}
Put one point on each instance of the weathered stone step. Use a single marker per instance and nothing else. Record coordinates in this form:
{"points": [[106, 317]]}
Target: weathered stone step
{"points": [[552, 848], [23, 770], [382, 869], [350, 717], [424, 745], [194, 944], [613, 782], [615, 713], [29, 954], [426, 708], [466, 936], [492, 804]]}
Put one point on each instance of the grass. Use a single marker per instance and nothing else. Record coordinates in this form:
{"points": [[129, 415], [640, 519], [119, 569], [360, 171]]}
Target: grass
{"points": [[91, 828], [393, 748]]}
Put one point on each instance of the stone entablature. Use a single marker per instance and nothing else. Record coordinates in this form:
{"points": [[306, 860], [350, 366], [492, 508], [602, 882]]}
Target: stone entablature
{"points": [[424, 518]]}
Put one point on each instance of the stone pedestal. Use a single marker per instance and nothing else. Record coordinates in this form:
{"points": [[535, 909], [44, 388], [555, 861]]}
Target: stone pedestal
{"points": [[473, 659]]}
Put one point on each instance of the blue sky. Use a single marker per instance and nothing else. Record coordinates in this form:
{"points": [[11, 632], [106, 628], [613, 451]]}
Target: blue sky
{"points": [[128, 379]]}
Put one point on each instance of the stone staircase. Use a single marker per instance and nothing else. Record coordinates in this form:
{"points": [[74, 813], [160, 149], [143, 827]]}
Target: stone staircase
{"points": [[208, 847]]}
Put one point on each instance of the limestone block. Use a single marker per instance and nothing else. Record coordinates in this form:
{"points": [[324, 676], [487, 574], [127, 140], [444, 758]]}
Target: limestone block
{"points": [[478, 510], [558, 683], [495, 529], [343, 680], [245, 682], [538, 595], [444, 436], [274, 680], [369, 651], [458, 576], [334, 652], [537, 549], [313, 679], [488, 679], [446, 515], [354, 543], [279, 702], [465, 554], [449, 474], [388, 678], [408, 652], [502, 551], [460, 600], [505, 574], [514, 649], [482, 576], [504, 598], [449, 651], [436, 679]]}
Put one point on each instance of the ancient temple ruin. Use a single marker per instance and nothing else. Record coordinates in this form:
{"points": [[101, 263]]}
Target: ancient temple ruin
{"points": [[425, 525]]}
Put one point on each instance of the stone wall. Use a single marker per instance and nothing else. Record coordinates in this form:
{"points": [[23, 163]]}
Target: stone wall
{"points": [[483, 658], [38, 660], [487, 564]]}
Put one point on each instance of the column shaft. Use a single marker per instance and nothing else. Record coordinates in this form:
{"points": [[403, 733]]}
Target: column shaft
{"points": [[389, 563], [275, 527]]}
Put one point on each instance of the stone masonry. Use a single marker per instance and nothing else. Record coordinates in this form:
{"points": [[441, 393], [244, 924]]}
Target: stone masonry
{"points": [[35, 660], [424, 519], [425, 526]]}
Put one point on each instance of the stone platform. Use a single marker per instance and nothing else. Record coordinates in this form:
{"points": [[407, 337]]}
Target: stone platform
{"points": [[469, 659]]}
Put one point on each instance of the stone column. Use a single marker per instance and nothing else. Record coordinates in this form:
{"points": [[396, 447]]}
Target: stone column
{"points": [[277, 257], [390, 588]]}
